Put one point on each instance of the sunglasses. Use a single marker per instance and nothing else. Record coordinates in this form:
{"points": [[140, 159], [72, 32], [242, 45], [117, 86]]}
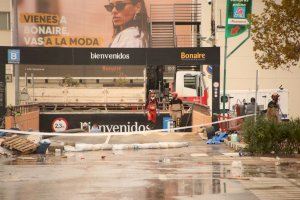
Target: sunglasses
{"points": [[118, 5]]}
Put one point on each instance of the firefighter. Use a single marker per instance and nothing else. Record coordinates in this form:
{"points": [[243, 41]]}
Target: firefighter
{"points": [[176, 109], [152, 109], [273, 109]]}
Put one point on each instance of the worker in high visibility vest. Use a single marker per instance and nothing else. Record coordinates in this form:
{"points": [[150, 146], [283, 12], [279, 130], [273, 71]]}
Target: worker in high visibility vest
{"points": [[273, 109], [152, 109]]}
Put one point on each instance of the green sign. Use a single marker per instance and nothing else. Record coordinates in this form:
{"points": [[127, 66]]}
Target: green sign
{"points": [[237, 17]]}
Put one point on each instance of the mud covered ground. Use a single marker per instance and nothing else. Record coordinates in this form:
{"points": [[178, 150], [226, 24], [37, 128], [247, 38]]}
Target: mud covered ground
{"points": [[199, 171]]}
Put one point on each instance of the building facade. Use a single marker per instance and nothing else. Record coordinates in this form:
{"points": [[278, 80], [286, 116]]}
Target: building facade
{"points": [[241, 66]]}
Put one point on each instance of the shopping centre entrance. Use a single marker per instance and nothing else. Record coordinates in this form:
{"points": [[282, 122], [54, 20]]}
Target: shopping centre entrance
{"points": [[112, 57]]}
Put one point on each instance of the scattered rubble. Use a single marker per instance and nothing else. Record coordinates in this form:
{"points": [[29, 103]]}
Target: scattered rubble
{"points": [[21, 145], [58, 152], [5, 152], [56, 145]]}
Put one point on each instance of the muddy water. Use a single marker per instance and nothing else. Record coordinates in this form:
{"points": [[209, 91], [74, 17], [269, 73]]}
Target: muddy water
{"points": [[197, 172]]}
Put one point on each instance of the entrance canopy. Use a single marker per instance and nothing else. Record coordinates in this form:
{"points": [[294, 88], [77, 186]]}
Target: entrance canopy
{"points": [[112, 56]]}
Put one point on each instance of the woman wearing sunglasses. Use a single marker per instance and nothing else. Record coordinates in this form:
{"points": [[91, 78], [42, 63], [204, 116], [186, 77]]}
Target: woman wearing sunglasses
{"points": [[129, 18]]}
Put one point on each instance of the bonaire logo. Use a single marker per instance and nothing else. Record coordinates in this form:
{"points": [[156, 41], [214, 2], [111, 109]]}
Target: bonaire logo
{"points": [[192, 56]]}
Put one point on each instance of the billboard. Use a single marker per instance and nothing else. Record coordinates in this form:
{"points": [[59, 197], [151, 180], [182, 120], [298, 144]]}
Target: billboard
{"points": [[78, 23], [95, 23]]}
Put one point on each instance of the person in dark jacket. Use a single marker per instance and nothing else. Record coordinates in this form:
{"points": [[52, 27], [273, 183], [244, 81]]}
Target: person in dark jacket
{"points": [[250, 108], [176, 109]]}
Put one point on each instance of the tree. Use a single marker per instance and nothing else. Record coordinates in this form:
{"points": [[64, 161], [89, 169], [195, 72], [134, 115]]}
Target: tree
{"points": [[276, 34]]}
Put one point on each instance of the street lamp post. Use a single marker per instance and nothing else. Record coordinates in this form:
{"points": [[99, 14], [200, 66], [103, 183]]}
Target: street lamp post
{"points": [[213, 29]]}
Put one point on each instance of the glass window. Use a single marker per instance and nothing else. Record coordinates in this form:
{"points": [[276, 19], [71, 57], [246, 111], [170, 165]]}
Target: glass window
{"points": [[190, 81], [4, 21]]}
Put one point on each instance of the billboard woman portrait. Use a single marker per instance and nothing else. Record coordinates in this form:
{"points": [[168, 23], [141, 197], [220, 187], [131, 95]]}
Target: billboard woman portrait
{"points": [[130, 23]]}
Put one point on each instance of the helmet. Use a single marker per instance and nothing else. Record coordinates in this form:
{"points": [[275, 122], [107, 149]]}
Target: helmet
{"points": [[275, 95]]}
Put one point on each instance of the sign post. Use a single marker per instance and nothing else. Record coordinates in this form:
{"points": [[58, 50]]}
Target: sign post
{"points": [[237, 12]]}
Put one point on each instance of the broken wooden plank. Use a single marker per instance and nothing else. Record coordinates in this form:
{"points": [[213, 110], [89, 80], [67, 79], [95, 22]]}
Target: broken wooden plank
{"points": [[21, 144], [10, 139], [13, 144], [17, 143], [23, 149], [28, 146], [7, 139]]}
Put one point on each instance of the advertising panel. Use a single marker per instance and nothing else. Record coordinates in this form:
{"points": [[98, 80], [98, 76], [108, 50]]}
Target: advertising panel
{"points": [[93, 23], [78, 23]]}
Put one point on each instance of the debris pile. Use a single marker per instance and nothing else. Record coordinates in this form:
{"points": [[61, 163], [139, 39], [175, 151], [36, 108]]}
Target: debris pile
{"points": [[19, 145]]}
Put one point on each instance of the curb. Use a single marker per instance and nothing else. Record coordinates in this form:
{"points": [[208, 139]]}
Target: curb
{"points": [[237, 146]]}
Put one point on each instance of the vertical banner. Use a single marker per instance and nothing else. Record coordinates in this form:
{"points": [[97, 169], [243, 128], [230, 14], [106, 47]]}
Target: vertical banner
{"points": [[237, 13]]}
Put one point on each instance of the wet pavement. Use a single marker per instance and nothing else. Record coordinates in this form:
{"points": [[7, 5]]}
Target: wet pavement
{"points": [[197, 172]]}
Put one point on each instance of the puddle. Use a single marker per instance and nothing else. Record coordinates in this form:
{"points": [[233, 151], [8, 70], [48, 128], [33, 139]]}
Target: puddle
{"points": [[164, 189], [33, 160], [147, 174]]}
